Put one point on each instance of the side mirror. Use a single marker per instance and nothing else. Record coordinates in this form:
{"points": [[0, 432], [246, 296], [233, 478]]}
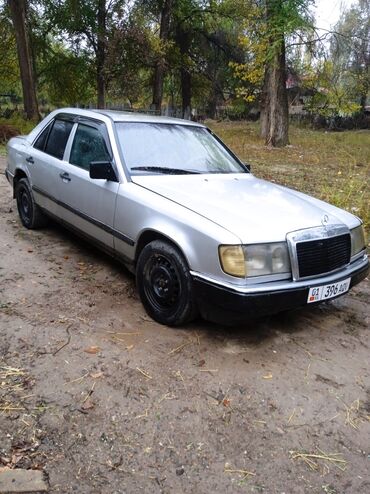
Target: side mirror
{"points": [[247, 166], [102, 170]]}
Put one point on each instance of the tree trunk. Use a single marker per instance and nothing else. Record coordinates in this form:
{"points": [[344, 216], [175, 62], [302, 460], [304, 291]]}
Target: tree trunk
{"points": [[100, 54], [18, 9], [363, 100], [274, 101], [274, 110], [215, 98], [159, 70], [186, 93], [184, 40]]}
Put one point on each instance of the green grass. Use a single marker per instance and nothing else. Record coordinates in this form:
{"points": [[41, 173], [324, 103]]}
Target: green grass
{"points": [[331, 166]]}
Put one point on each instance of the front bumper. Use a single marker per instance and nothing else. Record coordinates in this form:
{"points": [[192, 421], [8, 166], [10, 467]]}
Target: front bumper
{"points": [[226, 305]]}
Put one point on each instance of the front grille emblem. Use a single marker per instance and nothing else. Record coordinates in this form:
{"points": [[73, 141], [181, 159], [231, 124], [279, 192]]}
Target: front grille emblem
{"points": [[325, 220]]}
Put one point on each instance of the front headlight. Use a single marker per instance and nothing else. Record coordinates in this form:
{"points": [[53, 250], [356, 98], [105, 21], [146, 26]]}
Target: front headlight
{"points": [[232, 260], [357, 240], [255, 260], [267, 259]]}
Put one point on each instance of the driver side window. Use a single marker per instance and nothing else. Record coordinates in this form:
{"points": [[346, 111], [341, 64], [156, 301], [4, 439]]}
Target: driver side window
{"points": [[88, 145]]}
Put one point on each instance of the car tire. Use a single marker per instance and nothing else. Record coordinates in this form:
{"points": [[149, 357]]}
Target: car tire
{"points": [[29, 212], [165, 285]]}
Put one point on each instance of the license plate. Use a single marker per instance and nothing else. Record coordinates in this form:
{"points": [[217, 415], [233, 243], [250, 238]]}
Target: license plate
{"points": [[328, 291]]}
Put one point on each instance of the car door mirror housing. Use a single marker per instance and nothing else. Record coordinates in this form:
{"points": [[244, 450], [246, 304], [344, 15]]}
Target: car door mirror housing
{"points": [[102, 170], [247, 166]]}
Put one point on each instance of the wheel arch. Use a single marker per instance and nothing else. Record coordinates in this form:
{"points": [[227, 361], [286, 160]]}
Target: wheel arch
{"points": [[148, 236], [19, 173]]}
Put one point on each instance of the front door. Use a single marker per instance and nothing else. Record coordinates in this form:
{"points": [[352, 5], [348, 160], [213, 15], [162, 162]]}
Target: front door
{"points": [[89, 204]]}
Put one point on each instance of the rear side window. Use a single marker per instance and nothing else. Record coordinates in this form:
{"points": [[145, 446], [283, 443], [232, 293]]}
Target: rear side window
{"points": [[41, 140], [58, 138], [88, 145]]}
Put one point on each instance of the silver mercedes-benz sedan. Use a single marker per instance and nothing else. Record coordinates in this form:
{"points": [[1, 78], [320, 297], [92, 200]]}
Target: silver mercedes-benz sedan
{"points": [[170, 200]]}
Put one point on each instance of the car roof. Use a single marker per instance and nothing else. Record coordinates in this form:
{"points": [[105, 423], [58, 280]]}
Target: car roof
{"points": [[125, 116], [116, 116]]}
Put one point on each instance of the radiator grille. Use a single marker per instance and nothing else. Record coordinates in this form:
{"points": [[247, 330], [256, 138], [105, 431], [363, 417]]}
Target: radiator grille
{"points": [[323, 255]]}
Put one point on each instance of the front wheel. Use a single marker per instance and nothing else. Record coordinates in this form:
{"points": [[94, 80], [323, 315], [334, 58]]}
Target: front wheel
{"points": [[164, 284]]}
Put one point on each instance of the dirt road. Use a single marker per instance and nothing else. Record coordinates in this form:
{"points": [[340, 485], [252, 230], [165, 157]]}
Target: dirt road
{"points": [[107, 401]]}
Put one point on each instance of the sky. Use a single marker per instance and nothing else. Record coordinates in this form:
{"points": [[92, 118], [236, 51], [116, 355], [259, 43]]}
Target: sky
{"points": [[328, 11]]}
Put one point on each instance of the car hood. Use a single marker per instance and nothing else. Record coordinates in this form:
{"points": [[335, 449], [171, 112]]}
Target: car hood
{"points": [[250, 208]]}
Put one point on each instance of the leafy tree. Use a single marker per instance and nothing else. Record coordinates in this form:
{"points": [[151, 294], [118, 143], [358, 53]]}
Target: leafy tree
{"points": [[9, 67], [283, 18], [337, 74], [330, 98], [350, 49], [166, 7], [18, 11], [268, 25], [215, 49], [75, 86], [86, 24], [131, 57]]}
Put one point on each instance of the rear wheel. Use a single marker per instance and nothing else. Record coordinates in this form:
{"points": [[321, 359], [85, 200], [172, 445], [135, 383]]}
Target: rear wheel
{"points": [[164, 284], [29, 212]]}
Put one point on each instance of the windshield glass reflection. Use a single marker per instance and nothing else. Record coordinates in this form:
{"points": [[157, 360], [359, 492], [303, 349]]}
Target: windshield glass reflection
{"points": [[152, 148]]}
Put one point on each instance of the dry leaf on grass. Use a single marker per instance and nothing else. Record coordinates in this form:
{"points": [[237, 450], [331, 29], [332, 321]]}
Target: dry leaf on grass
{"points": [[96, 375], [92, 350]]}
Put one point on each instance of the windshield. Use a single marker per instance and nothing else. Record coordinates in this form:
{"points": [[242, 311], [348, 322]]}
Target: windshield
{"points": [[152, 148]]}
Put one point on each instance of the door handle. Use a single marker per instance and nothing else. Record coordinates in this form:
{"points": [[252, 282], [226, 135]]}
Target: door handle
{"points": [[29, 159], [65, 176]]}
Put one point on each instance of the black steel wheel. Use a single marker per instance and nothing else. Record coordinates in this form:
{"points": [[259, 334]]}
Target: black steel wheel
{"points": [[30, 214], [164, 284]]}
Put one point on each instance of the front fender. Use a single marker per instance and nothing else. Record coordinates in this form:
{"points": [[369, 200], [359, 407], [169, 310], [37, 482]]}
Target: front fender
{"points": [[140, 212]]}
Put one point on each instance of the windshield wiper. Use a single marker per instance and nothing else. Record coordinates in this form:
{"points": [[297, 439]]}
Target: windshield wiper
{"points": [[165, 170]]}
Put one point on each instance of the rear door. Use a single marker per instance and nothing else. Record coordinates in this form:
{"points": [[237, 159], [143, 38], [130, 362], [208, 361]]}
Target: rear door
{"points": [[45, 163], [89, 204]]}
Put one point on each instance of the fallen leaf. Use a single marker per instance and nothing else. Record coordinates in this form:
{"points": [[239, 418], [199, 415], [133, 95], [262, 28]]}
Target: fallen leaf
{"points": [[88, 404], [92, 349], [226, 402], [29, 250], [96, 375], [201, 363], [267, 376]]}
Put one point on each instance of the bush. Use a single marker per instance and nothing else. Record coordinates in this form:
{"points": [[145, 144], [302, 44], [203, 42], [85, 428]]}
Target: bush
{"points": [[7, 132], [14, 124]]}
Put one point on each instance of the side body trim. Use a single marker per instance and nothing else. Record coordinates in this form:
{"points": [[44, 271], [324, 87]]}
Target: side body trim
{"points": [[86, 217]]}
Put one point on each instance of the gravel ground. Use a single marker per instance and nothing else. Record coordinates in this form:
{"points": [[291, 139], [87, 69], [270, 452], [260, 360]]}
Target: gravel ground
{"points": [[105, 400]]}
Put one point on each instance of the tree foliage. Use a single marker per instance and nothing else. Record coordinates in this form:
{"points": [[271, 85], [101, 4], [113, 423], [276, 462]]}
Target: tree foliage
{"points": [[350, 50], [9, 69], [191, 57]]}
